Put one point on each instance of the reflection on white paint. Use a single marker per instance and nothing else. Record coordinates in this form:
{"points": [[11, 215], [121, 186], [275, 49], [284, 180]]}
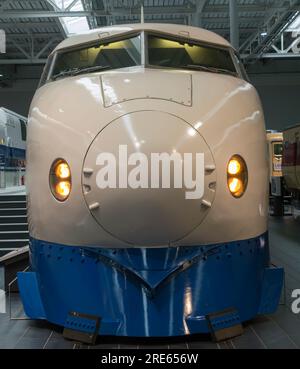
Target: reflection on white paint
{"points": [[198, 125], [226, 100], [92, 87], [191, 132], [2, 302]]}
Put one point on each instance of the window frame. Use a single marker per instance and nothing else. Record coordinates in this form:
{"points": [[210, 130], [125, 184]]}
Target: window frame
{"points": [[239, 65], [144, 34], [277, 142], [114, 38], [181, 38]]}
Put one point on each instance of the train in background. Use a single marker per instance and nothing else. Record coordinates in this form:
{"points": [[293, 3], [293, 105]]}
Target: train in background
{"points": [[133, 260], [13, 132], [276, 188], [275, 149], [291, 165]]}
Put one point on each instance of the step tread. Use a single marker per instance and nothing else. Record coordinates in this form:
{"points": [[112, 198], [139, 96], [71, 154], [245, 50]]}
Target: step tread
{"points": [[10, 232], [12, 209], [14, 202], [12, 216], [13, 224], [15, 240]]}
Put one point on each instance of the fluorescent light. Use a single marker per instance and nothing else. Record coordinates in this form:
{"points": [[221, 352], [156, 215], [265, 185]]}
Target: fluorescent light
{"points": [[1, 75], [73, 25], [263, 34]]}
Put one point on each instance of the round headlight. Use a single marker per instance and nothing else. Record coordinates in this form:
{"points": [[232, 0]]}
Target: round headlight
{"points": [[62, 171], [237, 176], [60, 179]]}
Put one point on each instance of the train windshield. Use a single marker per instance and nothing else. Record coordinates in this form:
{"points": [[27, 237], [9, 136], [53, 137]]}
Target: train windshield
{"points": [[160, 52], [164, 52], [112, 55]]}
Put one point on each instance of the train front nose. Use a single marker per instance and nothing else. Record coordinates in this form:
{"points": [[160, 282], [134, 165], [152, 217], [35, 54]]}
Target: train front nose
{"points": [[149, 178]]}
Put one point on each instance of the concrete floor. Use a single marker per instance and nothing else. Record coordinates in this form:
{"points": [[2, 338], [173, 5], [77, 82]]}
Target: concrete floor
{"points": [[280, 330]]}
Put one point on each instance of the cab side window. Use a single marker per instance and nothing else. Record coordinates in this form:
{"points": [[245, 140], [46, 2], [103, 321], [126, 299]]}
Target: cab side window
{"points": [[241, 67], [46, 71]]}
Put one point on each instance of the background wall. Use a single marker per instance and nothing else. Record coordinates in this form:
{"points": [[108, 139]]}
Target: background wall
{"points": [[277, 82], [18, 85]]}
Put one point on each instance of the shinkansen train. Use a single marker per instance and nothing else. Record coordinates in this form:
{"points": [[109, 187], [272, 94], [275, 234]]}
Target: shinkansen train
{"points": [[13, 129], [147, 181]]}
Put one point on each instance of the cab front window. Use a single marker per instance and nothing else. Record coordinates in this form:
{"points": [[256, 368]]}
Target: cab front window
{"points": [[101, 56], [149, 49], [181, 54]]}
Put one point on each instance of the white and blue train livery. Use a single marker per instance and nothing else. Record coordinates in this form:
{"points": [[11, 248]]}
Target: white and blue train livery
{"points": [[147, 183]]}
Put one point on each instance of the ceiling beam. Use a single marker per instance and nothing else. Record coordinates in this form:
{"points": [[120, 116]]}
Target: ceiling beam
{"points": [[273, 25], [57, 21], [73, 3], [22, 61], [255, 21], [44, 49], [20, 48], [197, 16], [16, 14], [53, 4], [50, 35], [249, 8], [26, 25], [92, 21], [273, 56], [155, 10], [5, 4]]}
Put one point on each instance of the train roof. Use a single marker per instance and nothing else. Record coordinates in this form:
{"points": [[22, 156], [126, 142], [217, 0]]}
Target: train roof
{"points": [[274, 136], [171, 29], [291, 127]]}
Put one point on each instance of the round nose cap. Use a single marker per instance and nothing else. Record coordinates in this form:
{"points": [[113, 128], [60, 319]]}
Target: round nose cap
{"points": [[132, 183]]}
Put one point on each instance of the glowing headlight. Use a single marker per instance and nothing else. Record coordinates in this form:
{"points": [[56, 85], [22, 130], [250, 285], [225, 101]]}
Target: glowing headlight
{"points": [[62, 171], [234, 166], [237, 176], [60, 179]]}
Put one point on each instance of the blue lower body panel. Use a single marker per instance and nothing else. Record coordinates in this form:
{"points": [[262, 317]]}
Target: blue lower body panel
{"points": [[151, 292]]}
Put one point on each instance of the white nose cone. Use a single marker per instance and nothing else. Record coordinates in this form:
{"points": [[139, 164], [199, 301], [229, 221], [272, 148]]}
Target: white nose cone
{"points": [[149, 178]]}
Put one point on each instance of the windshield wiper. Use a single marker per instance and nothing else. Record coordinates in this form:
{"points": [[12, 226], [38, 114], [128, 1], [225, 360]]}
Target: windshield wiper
{"points": [[211, 69], [76, 71], [68, 72], [91, 69]]}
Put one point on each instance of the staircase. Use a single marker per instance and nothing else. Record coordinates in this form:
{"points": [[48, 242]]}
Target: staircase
{"points": [[13, 223]]}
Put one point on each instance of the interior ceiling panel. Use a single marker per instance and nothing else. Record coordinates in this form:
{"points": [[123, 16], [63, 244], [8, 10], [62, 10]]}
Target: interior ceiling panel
{"points": [[49, 19]]}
